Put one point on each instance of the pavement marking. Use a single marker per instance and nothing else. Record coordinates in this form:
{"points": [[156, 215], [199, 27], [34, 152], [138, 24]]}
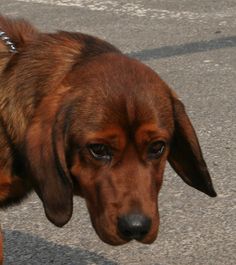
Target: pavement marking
{"points": [[136, 9]]}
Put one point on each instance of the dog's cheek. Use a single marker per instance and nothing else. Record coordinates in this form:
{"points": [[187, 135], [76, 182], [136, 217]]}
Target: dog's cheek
{"points": [[80, 176], [80, 186], [157, 176], [74, 172], [84, 183]]}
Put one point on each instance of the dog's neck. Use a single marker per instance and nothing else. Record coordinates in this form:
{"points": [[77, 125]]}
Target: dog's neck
{"points": [[7, 41]]}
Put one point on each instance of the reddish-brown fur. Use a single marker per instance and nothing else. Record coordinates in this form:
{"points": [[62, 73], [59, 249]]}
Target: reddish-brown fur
{"points": [[62, 92]]}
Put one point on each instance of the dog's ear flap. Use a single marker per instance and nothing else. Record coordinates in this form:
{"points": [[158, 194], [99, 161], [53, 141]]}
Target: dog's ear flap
{"points": [[45, 153], [185, 155]]}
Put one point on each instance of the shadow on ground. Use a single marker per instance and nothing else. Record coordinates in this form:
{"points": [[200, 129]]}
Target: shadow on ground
{"points": [[26, 249], [188, 48]]}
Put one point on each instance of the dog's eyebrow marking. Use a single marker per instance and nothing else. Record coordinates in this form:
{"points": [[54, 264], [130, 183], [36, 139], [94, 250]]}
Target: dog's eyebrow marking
{"points": [[112, 135], [151, 131]]}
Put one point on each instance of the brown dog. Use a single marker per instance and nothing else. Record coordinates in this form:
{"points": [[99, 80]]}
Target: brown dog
{"points": [[80, 118]]}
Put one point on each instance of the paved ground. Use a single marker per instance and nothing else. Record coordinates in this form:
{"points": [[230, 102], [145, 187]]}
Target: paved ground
{"points": [[192, 45]]}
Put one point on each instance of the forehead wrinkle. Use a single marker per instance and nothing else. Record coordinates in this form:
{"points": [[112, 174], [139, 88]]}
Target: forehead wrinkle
{"points": [[111, 132], [131, 110]]}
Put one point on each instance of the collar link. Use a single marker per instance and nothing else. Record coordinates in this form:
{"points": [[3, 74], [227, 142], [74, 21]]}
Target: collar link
{"points": [[11, 46]]}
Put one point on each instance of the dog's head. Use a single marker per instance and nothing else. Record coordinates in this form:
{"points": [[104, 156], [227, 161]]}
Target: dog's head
{"points": [[106, 134]]}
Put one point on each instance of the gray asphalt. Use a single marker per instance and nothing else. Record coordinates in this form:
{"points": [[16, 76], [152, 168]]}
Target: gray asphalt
{"points": [[191, 44]]}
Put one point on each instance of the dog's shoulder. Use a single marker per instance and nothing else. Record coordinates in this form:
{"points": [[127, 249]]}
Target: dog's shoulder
{"points": [[18, 30]]}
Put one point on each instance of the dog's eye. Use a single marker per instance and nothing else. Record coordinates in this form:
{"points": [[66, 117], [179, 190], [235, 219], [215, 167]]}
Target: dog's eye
{"points": [[100, 151], [155, 149]]}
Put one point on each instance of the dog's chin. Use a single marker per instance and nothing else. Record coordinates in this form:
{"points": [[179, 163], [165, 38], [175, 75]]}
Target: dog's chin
{"points": [[118, 240], [114, 241]]}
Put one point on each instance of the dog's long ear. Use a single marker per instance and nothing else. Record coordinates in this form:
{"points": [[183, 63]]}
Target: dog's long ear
{"points": [[185, 155], [45, 152]]}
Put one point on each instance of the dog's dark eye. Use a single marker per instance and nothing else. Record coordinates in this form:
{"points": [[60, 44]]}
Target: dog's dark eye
{"points": [[155, 149], [100, 151]]}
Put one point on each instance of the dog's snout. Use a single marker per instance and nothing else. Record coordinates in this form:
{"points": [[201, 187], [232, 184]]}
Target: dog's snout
{"points": [[134, 226]]}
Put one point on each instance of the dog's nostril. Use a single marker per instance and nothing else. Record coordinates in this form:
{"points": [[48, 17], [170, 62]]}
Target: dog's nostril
{"points": [[134, 226]]}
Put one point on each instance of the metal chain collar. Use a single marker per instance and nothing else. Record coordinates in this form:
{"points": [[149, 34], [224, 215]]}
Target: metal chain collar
{"points": [[8, 42]]}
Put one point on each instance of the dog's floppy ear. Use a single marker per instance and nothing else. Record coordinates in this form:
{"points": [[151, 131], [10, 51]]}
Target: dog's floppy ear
{"points": [[185, 155], [45, 153]]}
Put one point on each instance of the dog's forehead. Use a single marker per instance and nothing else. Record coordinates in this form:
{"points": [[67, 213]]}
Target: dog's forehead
{"points": [[124, 92], [116, 74]]}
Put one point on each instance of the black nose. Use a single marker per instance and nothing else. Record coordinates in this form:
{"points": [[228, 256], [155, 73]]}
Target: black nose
{"points": [[134, 226]]}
